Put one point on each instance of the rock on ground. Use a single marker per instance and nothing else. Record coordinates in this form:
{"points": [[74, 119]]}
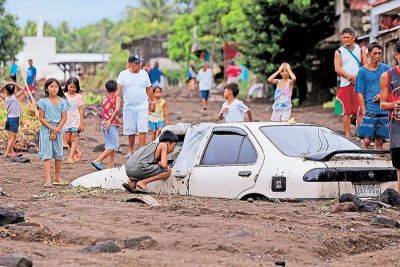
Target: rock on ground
{"points": [[9, 216], [15, 260], [385, 221], [142, 242], [103, 247], [344, 207]]}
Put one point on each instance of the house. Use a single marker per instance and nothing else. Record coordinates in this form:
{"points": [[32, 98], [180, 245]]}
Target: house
{"points": [[42, 50]]}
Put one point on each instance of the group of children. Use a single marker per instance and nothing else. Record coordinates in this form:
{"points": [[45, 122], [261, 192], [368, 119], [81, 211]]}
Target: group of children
{"points": [[61, 115]]}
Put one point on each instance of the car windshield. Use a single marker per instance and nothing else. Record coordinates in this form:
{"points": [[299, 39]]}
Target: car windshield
{"points": [[304, 140]]}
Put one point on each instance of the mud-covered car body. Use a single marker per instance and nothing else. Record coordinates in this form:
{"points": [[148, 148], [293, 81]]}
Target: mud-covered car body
{"points": [[265, 159]]}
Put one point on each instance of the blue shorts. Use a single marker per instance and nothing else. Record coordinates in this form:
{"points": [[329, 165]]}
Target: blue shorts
{"points": [[374, 126], [204, 94], [111, 138], [12, 124], [72, 130], [155, 125]]}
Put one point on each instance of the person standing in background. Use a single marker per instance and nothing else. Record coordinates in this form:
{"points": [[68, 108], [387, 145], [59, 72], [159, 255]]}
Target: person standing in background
{"points": [[14, 69], [31, 77], [348, 60]]}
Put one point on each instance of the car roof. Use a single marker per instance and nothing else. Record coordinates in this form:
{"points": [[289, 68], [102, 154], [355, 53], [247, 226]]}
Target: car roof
{"points": [[253, 125]]}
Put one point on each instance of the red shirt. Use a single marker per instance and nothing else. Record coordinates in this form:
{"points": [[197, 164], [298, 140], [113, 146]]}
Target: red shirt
{"points": [[233, 71], [109, 106]]}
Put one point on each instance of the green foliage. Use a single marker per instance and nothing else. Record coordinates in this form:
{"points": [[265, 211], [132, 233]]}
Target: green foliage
{"points": [[215, 22], [286, 30], [10, 36], [92, 99]]}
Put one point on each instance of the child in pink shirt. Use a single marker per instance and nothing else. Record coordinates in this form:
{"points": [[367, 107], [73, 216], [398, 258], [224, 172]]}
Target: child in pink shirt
{"points": [[74, 124]]}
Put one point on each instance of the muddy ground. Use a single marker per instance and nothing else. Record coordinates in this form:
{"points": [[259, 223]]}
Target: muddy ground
{"points": [[188, 230]]}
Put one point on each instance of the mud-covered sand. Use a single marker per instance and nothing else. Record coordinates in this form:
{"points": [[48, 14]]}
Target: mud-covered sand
{"points": [[188, 230]]}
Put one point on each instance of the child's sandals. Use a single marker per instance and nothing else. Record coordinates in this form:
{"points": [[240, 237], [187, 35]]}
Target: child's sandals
{"points": [[61, 182]]}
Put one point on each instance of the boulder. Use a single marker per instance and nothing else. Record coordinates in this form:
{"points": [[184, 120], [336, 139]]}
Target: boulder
{"points": [[10, 216]]}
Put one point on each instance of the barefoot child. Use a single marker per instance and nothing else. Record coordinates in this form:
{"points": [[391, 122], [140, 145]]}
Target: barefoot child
{"points": [[74, 124], [233, 110], [282, 107], [150, 163], [53, 115], [13, 91], [159, 117], [109, 126]]}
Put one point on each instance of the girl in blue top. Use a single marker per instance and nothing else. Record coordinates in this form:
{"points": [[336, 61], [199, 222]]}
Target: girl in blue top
{"points": [[53, 115]]}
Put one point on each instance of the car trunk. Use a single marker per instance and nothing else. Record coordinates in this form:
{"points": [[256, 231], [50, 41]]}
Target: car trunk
{"points": [[364, 175]]}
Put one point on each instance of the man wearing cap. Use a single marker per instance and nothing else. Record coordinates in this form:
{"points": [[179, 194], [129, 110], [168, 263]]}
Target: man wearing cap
{"points": [[136, 92]]}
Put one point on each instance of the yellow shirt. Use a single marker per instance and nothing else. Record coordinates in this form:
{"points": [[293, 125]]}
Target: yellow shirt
{"points": [[158, 114]]}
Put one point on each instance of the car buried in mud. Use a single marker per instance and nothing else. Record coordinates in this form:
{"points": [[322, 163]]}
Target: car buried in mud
{"points": [[265, 160]]}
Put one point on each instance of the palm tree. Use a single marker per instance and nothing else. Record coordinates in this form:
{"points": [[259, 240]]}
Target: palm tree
{"points": [[156, 10]]}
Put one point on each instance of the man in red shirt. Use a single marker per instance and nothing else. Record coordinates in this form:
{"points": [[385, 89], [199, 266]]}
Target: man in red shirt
{"points": [[232, 72]]}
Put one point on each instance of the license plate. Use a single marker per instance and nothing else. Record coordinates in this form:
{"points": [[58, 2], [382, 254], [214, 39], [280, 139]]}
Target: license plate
{"points": [[367, 190]]}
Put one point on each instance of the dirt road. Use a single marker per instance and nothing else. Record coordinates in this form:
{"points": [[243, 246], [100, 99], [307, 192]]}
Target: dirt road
{"points": [[188, 230]]}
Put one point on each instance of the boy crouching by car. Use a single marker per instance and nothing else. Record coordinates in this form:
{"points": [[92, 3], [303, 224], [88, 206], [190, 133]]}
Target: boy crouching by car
{"points": [[150, 163]]}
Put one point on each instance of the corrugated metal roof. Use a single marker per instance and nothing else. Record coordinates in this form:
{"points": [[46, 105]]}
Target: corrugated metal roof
{"points": [[80, 58]]}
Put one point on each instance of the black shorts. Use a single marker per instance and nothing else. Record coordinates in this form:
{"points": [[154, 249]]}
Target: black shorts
{"points": [[13, 77], [395, 154]]}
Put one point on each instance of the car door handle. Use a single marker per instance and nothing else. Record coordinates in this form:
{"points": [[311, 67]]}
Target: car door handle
{"points": [[244, 173]]}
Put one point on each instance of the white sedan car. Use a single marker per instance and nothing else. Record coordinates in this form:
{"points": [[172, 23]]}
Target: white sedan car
{"points": [[266, 160]]}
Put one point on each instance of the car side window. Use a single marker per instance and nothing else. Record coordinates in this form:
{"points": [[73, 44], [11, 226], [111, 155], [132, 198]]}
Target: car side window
{"points": [[229, 148], [247, 153]]}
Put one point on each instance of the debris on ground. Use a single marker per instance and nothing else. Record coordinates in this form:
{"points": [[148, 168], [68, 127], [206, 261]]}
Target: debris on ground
{"points": [[145, 199], [280, 263], [344, 207], [102, 247], [10, 216], [142, 242], [387, 199], [390, 196], [28, 129], [15, 260], [18, 160], [385, 221]]}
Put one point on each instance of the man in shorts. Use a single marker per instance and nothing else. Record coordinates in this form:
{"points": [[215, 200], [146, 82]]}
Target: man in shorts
{"points": [[375, 120], [347, 63], [31, 77], [390, 100], [136, 92], [205, 79]]}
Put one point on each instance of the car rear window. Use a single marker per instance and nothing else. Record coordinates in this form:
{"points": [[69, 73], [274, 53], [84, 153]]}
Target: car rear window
{"points": [[304, 140]]}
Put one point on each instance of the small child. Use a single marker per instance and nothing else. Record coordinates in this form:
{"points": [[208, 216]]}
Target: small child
{"points": [[159, 117], [109, 125], [13, 92], [53, 115], [150, 163], [74, 124], [233, 110], [282, 107]]}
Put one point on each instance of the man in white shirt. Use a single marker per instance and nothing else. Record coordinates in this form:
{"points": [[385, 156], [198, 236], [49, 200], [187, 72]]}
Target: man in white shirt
{"points": [[136, 92], [205, 79]]}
